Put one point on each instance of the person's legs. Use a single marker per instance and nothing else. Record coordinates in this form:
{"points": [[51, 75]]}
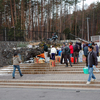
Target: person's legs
{"points": [[68, 56], [18, 67], [14, 69], [86, 62], [53, 56], [65, 60], [74, 56], [91, 75], [45, 54], [77, 56], [61, 58]]}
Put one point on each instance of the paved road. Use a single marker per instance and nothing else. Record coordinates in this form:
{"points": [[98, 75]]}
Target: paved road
{"points": [[47, 94]]}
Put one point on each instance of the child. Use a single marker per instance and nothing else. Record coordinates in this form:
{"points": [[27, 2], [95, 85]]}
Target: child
{"points": [[16, 61]]}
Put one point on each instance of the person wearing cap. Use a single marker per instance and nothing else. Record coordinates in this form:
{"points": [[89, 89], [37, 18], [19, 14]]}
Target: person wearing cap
{"points": [[92, 60], [16, 62]]}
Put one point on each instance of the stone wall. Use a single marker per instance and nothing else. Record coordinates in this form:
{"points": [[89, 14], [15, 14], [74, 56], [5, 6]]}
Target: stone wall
{"points": [[7, 46]]}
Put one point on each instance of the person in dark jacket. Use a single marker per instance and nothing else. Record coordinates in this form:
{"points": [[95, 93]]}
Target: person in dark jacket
{"points": [[92, 60], [66, 52], [86, 53], [46, 52], [62, 55], [97, 50], [83, 44], [76, 51]]}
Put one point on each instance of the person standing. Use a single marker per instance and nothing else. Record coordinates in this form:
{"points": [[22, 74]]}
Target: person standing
{"points": [[46, 52], [16, 62], [66, 52], [92, 60], [94, 46], [71, 49], [97, 50], [86, 53], [76, 52], [83, 45], [62, 55], [53, 52]]}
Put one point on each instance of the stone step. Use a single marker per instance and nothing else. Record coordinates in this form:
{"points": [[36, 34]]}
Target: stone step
{"points": [[46, 72], [49, 81], [52, 84], [60, 66], [52, 69], [80, 69], [46, 64], [39, 69]]}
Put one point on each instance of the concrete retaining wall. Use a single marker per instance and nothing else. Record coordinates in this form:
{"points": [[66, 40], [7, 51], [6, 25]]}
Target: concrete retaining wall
{"points": [[7, 46]]}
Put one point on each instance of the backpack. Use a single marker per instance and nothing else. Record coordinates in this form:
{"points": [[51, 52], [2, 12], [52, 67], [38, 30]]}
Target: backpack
{"points": [[79, 46], [67, 50]]}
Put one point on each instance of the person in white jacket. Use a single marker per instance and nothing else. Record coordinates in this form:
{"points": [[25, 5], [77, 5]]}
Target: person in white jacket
{"points": [[53, 52]]}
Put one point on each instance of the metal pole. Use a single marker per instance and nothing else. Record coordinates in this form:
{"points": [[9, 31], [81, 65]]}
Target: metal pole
{"points": [[88, 28]]}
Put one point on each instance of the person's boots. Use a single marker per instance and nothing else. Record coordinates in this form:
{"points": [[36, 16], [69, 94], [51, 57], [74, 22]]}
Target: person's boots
{"points": [[66, 65]]}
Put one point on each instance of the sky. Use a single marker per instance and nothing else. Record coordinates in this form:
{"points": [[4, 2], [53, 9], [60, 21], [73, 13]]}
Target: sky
{"points": [[90, 1], [87, 3]]}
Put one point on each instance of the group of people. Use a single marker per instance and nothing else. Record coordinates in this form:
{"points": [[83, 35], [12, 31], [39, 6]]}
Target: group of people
{"points": [[66, 52], [91, 51], [69, 51]]}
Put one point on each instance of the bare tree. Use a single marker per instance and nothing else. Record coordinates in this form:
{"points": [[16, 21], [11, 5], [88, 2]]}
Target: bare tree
{"points": [[12, 17], [15, 12]]}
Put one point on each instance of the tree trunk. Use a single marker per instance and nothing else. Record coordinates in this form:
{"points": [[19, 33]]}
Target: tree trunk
{"points": [[42, 19], [32, 24], [60, 18], [12, 17], [38, 23], [75, 18], [56, 16], [48, 20], [15, 12], [30, 19]]}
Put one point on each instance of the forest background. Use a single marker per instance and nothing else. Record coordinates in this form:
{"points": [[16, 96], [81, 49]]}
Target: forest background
{"points": [[38, 19]]}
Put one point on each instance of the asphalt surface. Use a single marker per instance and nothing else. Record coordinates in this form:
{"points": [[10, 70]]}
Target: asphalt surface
{"points": [[48, 94]]}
